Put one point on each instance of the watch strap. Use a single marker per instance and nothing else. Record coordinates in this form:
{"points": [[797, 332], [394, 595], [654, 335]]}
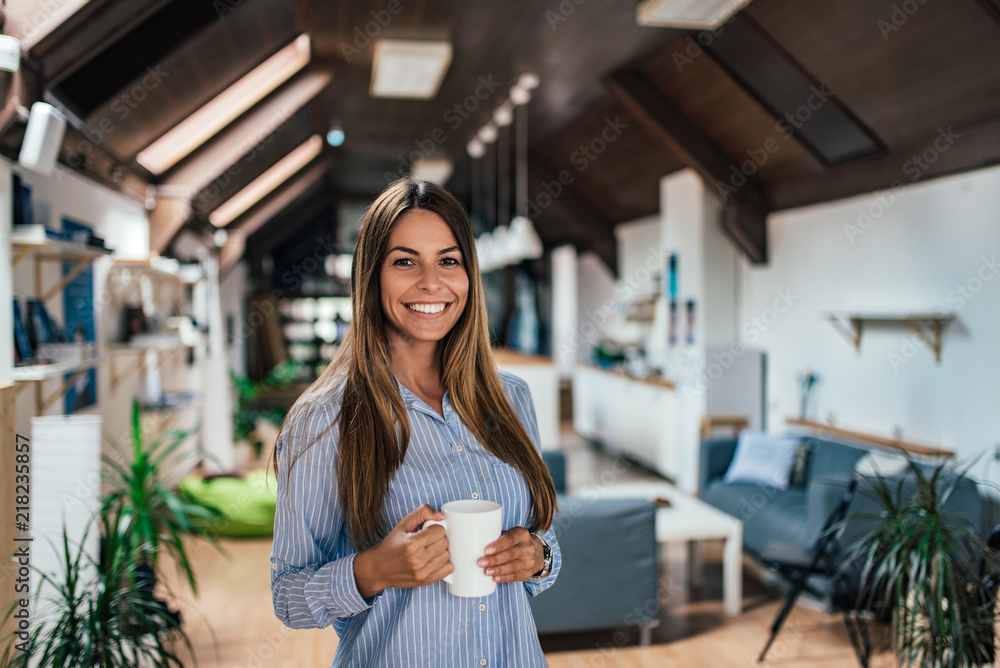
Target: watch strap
{"points": [[547, 560]]}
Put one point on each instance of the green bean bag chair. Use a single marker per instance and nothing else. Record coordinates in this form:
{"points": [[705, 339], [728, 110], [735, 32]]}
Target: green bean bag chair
{"points": [[247, 504]]}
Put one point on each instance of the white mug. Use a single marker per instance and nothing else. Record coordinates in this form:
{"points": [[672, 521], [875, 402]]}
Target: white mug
{"points": [[471, 525]]}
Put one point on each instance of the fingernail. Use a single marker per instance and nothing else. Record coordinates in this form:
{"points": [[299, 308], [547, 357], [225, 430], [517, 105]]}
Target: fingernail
{"points": [[483, 562], [489, 571], [490, 550], [496, 579]]}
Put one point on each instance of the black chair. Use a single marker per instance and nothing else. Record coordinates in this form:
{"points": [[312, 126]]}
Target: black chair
{"points": [[798, 565]]}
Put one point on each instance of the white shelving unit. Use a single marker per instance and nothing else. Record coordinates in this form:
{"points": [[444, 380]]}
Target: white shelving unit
{"points": [[32, 242]]}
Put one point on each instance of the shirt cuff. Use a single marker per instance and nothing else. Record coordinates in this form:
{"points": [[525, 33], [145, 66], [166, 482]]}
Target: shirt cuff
{"points": [[335, 588]]}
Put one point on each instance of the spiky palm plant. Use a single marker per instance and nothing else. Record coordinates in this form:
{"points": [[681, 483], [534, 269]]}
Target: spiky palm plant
{"points": [[923, 568], [153, 517], [94, 615]]}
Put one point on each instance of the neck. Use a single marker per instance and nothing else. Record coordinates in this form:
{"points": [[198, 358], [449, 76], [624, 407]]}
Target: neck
{"points": [[416, 364]]}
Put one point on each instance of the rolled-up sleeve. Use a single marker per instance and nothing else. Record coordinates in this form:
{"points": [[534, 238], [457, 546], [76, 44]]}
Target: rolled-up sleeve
{"points": [[524, 405], [312, 572]]}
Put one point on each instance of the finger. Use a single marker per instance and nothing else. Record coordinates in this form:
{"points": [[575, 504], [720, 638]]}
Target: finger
{"points": [[445, 569], [418, 516], [432, 534], [431, 540], [517, 565], [519, 576], [434, 542], [506, 540], [505, 557], [439, 562]]}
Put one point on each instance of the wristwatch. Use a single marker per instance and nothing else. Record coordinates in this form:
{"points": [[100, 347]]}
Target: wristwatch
{"points": [[546, 560]]}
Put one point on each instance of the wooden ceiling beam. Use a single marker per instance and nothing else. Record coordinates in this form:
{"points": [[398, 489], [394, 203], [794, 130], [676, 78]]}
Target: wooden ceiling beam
{"points": [[744, 212], [569, 205], [948, 151]]}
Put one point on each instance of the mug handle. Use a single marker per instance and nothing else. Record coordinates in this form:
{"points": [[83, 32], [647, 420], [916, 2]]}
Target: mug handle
{"points": [[428, 523]]}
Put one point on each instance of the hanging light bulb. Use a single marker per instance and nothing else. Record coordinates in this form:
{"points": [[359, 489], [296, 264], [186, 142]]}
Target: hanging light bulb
{"points": [[519, 95], [528, 81], [487, 133], [504, 115], [475, 148]]}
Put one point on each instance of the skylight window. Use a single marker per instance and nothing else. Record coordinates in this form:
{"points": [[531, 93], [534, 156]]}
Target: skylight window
{"points": [[267, 182], [225, 107]]}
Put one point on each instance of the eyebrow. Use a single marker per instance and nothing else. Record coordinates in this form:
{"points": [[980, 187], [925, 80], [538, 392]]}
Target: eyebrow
{"points": [[413, 252]]}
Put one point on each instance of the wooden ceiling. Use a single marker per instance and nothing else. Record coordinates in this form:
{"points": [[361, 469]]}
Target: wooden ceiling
{"points": [[619, 106]]}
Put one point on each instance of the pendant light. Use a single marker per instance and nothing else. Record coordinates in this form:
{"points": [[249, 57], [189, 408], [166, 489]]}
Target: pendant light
{"points": [[529, 244], [484, 243]]}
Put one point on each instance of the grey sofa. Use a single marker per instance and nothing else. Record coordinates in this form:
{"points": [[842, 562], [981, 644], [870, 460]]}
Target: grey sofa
{"points": [[609, 564], [793, 518]]}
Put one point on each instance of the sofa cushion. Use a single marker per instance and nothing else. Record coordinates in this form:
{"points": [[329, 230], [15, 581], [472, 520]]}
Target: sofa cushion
{"points": [[555, 460], [609, 571], [767, 513], [762, 459], [831, 457]]}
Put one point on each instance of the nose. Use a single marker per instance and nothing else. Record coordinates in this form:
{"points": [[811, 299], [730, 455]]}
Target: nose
{"points": [[429, 279]]}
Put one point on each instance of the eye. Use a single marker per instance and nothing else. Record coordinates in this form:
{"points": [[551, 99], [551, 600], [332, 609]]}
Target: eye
{"points": [[451, 261], [402, 262]]}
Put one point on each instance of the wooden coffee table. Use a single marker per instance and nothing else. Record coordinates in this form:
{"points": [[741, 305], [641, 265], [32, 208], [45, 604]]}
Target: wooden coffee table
{"points": [[691, 520]]}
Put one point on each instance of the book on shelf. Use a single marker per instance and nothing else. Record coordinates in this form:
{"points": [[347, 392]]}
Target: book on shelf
{"points": [[23, 350], [43, 327]]}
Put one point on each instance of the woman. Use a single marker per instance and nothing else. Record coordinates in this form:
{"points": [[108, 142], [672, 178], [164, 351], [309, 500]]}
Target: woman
{"points": [[411, 414]]}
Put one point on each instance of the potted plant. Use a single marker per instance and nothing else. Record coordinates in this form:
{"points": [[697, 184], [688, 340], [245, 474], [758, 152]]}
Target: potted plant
{"points": [[267, 400], [926, 570], [151, 516], [95, 614]]}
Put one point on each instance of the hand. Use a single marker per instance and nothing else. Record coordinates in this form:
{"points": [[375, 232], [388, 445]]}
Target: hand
{"points": [[515, 556], [407, 557]]}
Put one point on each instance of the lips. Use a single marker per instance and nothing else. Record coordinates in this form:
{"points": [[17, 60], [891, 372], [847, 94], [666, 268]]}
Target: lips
{"points": [[429, 309]]}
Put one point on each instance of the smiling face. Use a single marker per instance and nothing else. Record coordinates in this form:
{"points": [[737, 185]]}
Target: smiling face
{"points": [[423, 280]]}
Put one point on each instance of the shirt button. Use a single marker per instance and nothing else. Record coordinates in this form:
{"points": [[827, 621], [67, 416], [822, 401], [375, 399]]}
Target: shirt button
{"points": [[274, 566], [447, 408], [482, 662], [459, 448], [482, 606], [475, 495]]}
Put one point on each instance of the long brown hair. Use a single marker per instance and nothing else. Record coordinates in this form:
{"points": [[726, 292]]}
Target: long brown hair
{"points": [[374, 429]]}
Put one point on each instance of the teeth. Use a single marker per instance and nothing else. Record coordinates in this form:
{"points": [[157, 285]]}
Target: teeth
{"points": [[426, 308]]}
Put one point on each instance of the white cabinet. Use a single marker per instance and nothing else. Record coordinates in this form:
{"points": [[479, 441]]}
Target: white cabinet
{"points": [[542, 378], [627, 415]]}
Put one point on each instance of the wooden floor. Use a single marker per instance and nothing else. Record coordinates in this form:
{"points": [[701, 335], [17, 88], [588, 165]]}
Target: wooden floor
{"points": [[231, 623]]}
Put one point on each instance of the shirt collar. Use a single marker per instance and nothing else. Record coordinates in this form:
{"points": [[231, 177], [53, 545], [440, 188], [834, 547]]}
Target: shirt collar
{"points": [[415, 403]]}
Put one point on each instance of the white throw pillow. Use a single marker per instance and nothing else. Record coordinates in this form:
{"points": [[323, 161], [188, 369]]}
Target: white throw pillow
{"points": [[762, 459]]}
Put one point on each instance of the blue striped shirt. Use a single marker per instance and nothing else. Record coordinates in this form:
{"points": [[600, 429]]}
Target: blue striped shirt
{"points": [[312, 559]]}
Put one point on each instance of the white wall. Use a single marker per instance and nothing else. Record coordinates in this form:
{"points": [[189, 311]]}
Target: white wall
{"points": [[916, 250], [122, 222], [565, 318], [234, 289], [595, 288], [636, 239]]}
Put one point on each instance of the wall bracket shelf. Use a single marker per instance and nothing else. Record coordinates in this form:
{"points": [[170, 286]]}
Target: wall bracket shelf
{"points": [[926, 326], [37, 373], [895, 444]]}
